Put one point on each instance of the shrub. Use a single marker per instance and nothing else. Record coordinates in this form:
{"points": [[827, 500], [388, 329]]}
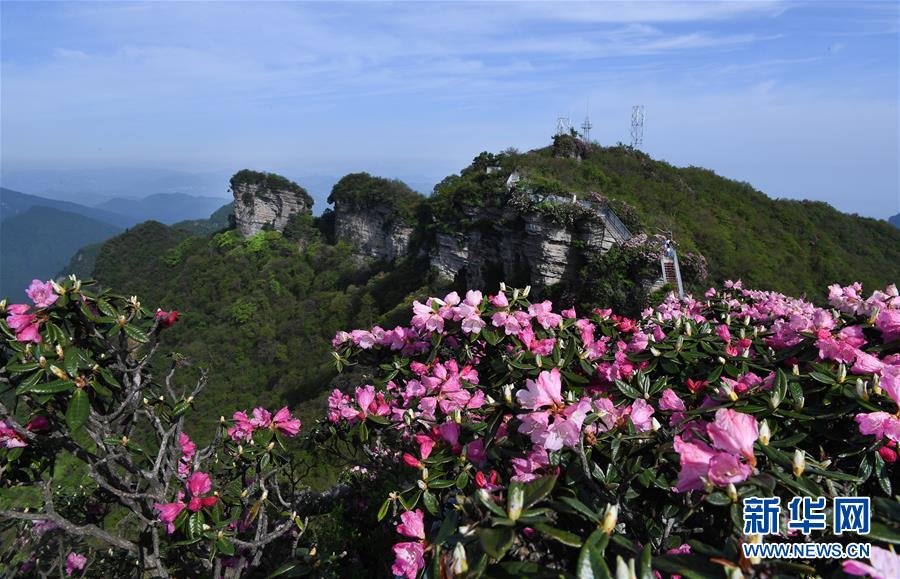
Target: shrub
{"points": [[541, 444]]}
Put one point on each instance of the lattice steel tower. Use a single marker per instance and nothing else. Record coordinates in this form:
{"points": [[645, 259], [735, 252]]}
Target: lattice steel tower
{"points": [[637, 125], [586, 127], [563, 124]]}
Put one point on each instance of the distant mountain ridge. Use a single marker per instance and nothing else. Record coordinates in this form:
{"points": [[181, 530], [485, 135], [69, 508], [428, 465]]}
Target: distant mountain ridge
{"points": [[13, 203], [894, 220], [38, 242], [167, 208]]}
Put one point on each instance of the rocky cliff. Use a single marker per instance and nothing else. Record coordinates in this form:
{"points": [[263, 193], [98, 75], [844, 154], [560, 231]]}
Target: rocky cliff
{"points": [[375, 215], [265, 201], [523, 246], [375, 232]]}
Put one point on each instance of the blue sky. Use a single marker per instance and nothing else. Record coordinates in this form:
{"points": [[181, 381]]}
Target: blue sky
{"points": [[799, 99]]}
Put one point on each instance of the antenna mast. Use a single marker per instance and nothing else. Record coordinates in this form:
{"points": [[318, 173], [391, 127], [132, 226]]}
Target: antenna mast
{"points": [[637, 125], [586, 126]]}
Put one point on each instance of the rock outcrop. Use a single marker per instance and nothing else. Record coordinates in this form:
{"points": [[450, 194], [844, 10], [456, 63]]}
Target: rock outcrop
{"points": [[374, 232], [521, 247], [265, 201]]}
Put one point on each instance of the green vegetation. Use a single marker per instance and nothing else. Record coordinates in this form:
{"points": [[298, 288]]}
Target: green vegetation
{"points": [[218, 221], [796, 247], [364, 191], [268, 181], [269, 306]]}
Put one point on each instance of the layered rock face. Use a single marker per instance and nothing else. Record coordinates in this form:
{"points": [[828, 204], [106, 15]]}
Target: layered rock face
{"points": [[521, 249], [373, 232], [263, 201]]}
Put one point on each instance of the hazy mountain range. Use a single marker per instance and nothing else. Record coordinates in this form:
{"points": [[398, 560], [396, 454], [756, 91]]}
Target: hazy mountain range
{"points": [[39, 235]]}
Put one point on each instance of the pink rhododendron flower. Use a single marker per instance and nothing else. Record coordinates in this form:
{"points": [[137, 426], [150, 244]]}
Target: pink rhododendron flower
{"points": [[670, 401], [243, 428], [543, 392], [890, 382], [888, 321], [426, 317], [727, 468], [866, 364], [168, 512], [199, 484], [24, 324], [694, 458], [543, 314], [74, 561], [38, 423], [9, 438], [262, 418], [41, 293], [879, 425], [285, 423], [734, 432], [166, 319], [476, 454], [413, 524], [883, 565], [641, 415], [409, 558]]}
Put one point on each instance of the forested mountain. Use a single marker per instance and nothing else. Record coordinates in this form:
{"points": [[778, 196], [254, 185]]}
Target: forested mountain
{"points": [[272, 302], [38, 242]]}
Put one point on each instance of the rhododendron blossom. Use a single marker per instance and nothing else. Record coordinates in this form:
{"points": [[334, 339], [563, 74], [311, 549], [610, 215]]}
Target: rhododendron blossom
{"points": [[42, 293]]}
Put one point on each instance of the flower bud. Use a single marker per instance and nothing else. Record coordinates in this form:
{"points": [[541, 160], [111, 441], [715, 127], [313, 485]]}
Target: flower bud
{"points": [[625, 570], [655, 352], [799, 462], [221, 420], [265, 495], [721, 360], [144, 401], [754, 539], [58, 288], [60, 353], [515, 502], [688, 330], [732, 492], [654, 423], [3, 306], [42, 362], [460, 562], [59, 373], [862, 391], [842, 373], [679, 343], [507, 393], [610, 519], [764, 433], [457, 416], [795, 370], [270, 446], [124, 441], [206, 527]]}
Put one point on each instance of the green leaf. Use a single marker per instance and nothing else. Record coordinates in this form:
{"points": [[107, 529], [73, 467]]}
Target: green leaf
{"points": [[448, 527], [136, 334], [462, 480], [537, 489], [225, 547], [54, 387], [496, 542], [431, 503], [582, 508], [485, 498], [645, 567], [590, 564], [564, 537], [195, 524], [180, 408], [78, 410], [71, 361], [382, 512], [884, 477], [284, 569]]}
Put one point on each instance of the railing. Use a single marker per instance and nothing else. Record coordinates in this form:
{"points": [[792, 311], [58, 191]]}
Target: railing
{"points": [[609, 216]]}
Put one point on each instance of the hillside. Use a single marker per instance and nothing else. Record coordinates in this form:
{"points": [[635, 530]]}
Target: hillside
{"points": [[894, 220], [219, 220], [796, 247], [38, 242], [271, 306]]}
